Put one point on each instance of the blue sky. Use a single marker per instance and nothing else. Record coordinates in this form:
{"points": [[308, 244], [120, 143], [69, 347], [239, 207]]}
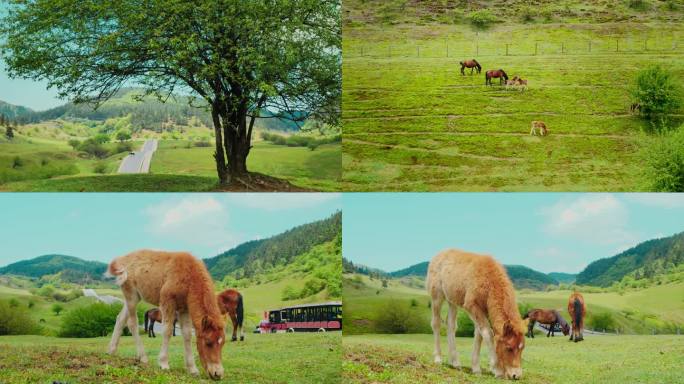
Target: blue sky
{"points": [[27, 93], [101, 226], [550, 232]]}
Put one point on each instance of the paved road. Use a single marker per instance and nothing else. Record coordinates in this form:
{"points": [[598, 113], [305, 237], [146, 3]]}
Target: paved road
{"points": [[140, 161]]}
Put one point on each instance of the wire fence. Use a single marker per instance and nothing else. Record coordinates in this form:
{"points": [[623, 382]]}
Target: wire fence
{"points": [[448, 48]]}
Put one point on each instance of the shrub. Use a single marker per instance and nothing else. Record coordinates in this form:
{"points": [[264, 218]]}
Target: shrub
{"points": [[527, 15], [16, 321], [639, 5], [100, 168], [202, 143], [74, 143], [482, 18], [665, 159], [658, 93], [602, 321], [95, 320], [124, 147], [102, 138], [289, 293], [93, 148], [57, 308], [398, 317], [17, 162], [13, 303]]}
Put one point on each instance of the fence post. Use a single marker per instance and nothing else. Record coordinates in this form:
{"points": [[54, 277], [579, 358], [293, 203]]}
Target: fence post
{"points": [[645, 44], [617, 45], [536, 44], [506, 49], [589, 46], [418, 51], [447, 47], [477, 48], [361, 51], [389, 51], [563, 48]]}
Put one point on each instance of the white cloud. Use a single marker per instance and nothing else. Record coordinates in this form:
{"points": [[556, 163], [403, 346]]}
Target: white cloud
{"points": [[664, 200], [281, 201], [591, 218], [199, 219]]}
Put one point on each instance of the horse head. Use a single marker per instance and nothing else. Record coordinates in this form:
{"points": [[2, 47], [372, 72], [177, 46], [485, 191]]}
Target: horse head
{"points": [[509, 346], [505, 76], [210, 341]]}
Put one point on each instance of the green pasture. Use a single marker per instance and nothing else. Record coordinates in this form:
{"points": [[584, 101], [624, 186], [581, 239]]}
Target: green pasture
{"points": [[413, 122], [268, 358], [598, 359], [659, 308], [319, 169]]}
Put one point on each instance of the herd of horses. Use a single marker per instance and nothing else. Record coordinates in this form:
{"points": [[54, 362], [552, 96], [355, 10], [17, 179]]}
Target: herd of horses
{"points": [[515, 82], [480, 285]]}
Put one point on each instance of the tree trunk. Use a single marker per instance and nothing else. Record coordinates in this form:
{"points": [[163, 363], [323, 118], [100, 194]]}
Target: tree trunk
{"points": [[221, 169], [236, 141]]}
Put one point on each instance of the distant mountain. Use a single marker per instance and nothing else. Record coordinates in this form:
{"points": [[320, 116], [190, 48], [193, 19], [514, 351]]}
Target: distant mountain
{"points": [[522, 277], [562, 277], [349, 267], [148, 113], [646, 259], [71, 268], [12, 112], [252, 257]]}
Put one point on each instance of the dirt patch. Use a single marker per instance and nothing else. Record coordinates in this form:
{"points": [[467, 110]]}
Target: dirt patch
{"points": [[257, 182]]}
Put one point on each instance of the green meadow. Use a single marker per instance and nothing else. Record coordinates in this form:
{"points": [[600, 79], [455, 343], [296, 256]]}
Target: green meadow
{"points": [[598, 359], [413, 122], [268, 358], [50, 164]]}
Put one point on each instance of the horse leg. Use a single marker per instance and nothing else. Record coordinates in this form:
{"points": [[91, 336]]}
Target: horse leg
{"points": [[186, 331], [462, 70], [242, 332], [480, 319], [530, 328], [436, 323], [452, 325], [131, 302], [152, 334], [118, 329], [233, 319], [166, 306], [475, 357]]}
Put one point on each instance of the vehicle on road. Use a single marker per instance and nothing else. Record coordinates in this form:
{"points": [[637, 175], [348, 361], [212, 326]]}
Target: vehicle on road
{"points": [[303, 318]]}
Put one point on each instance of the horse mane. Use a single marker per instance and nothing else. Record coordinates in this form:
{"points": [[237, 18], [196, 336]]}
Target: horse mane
{"points": [[504, 74], [501, 304], [478, 64], [202, 299], [560, 318]]}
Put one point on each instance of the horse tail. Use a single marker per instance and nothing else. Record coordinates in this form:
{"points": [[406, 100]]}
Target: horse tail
{"points": [[118, 271], [240, 310], [526, 315], [578, 312], [147, 319]]}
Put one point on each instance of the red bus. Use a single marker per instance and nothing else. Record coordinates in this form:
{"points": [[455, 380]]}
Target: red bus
{"points": [[304, 318]]}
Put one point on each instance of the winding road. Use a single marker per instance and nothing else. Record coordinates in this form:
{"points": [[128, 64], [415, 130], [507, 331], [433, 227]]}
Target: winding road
{"points": [[139, 162]]}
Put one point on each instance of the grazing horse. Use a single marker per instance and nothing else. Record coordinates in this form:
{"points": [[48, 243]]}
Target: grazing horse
{"points": [[154, 315], [175, 281], [577, 312], [539, 126], [495, 73], [472, 64], [546, 316], [230, 302], [481, 286]]}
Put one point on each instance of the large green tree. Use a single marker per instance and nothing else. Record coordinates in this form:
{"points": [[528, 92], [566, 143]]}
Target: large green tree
{"points": [[236, 57]]}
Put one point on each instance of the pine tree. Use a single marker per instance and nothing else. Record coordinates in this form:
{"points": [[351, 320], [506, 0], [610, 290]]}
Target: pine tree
{"points": [[9, 132]]}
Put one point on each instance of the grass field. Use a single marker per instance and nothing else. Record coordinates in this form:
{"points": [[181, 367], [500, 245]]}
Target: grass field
{"points": [[598, 359], [319, 169], [269, 358], [413, 122], [659, 308], [50, 165]]}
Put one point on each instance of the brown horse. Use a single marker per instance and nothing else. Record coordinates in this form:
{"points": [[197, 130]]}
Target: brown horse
{"points": [[495, 73], [175, 281], [546, 316], [539, 126], [481, 286], [472, 64], [154, 315], [577, 312], [230, 302]]}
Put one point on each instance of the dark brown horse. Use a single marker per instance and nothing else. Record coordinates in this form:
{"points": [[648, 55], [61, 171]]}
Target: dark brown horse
{"points": [[154, 315], [472, 64], [493, 74], [577, 312], [551, 317], [230, 302]]}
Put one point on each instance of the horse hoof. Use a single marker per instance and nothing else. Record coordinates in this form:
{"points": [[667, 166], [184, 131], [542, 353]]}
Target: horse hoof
{"points": [[242, 338], [438, 360], [477, 371], [143, 359], [233, 339], [194, 371]]}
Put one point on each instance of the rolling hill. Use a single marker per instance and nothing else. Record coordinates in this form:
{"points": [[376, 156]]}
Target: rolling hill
{"points": [[522, 277], [644, 260], [70, 268], [253, 257], [12, 111], [562, 277]]}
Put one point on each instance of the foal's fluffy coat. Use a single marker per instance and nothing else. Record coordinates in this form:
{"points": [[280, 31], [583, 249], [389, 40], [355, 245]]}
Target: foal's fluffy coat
{"points": [[174, 281], [481, 286]]}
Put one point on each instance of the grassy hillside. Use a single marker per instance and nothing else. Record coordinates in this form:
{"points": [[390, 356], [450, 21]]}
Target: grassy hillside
{"points": [[562, 277], [310, 358], [413, 122], [659, 308], [642, 261], [393, 12], [72, 268], [598, 359]]}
